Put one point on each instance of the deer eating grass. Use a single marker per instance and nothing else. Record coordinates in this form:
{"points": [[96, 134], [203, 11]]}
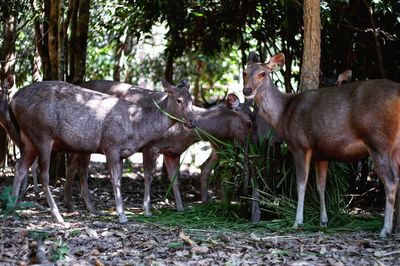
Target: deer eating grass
{"points": [[55, 115], [342, 124], [225, 121]]}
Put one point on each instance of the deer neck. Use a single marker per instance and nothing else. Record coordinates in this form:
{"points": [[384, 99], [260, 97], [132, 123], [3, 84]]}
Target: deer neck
{"points": [[164, 107], [271, 104], [213, 121]]}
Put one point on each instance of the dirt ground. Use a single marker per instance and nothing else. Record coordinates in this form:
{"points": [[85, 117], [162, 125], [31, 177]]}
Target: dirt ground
{"points": [[86, 239]]}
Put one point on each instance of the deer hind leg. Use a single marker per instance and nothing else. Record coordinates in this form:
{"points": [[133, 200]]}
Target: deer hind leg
{"points": [[387, 170], [149, 162], [302, 165], [172, 164], [396, 223], [43, 165], [321, 170], [83, 180], [114, 163], [28, 156], [72, 169]]}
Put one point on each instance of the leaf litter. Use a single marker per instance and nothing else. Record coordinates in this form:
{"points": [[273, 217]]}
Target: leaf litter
{"points": [[35, 239]]}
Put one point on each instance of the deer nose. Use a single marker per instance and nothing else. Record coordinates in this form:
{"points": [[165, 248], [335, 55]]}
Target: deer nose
{"points": [[191, 123], [247, 91]]}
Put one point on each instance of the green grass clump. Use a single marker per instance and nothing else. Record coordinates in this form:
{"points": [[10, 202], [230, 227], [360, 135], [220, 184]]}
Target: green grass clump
{"points": [[222, 218]]}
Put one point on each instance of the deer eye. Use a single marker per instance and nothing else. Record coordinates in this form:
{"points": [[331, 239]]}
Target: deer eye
{"points": [[261, 75], [179, 101]]}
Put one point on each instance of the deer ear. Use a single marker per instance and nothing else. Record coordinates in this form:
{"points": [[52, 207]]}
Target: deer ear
{"points": [[232, 101], [276, 62], [253, 58], [184, 84], [167, 86], [344, 77]]}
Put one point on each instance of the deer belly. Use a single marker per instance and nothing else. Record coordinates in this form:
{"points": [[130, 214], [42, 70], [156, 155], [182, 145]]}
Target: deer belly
{"points": [[342, 151]]}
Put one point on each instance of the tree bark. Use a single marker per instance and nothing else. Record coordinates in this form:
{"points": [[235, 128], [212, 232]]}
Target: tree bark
{"points": [[7, 71], [309, 78], [80, 37]]}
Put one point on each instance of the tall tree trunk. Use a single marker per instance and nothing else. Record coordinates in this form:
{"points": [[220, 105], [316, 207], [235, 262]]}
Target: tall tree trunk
{"points": [[7, 71], [79, 35], [377, 45], [309, 78], [169, 66], [53, 18]]}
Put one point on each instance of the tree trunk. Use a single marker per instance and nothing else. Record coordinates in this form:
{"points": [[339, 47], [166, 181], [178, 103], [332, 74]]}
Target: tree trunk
{"points": [[79, 37], [309, 78], [7, 71], [53, 18], [169, 66]]}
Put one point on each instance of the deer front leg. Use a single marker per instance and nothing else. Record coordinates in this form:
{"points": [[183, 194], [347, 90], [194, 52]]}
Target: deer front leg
{"points": [[44, 165], [115, 166], [206, 169], [149, 162], [321, 170], [302, 165], [172, 165]]}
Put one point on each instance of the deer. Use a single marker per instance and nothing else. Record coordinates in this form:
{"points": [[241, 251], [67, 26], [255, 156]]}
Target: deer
{"points": [[231, 120], [345, 124], [58, 116]]}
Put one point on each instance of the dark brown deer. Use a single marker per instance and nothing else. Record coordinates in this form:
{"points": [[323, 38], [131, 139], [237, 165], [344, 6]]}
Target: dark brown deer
{"points": [[229, 121], [54, 115], [342, 124]]}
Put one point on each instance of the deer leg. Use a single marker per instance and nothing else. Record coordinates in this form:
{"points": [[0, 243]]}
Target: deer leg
{"points": [[206, 169], [34, 170], [321, 170], [83, 179], [396, 223], [149, 162], [389, 176], [44, 165], [114, 163], [72, 168], [302, 165], [172, 164], [21, 169]]}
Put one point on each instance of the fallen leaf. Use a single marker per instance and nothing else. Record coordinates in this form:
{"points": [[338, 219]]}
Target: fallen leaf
{"points": [[187, 239], [199, 250]]}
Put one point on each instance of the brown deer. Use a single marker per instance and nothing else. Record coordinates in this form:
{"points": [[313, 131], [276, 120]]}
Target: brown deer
{"points": [[55, 115], [224, 121], [342, 124]]}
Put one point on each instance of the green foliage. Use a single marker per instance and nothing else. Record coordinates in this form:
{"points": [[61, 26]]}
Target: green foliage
{"points": [[8, 203], [60, 251]]}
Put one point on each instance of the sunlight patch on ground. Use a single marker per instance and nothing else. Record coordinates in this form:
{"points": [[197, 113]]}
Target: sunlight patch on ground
{"points": [[191, 159]]}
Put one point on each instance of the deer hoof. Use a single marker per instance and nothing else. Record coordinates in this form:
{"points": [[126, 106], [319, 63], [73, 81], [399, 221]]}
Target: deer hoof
{"points": [[323, 224], [297, 226], [123, 219], [383, 233], [149, 214]]}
